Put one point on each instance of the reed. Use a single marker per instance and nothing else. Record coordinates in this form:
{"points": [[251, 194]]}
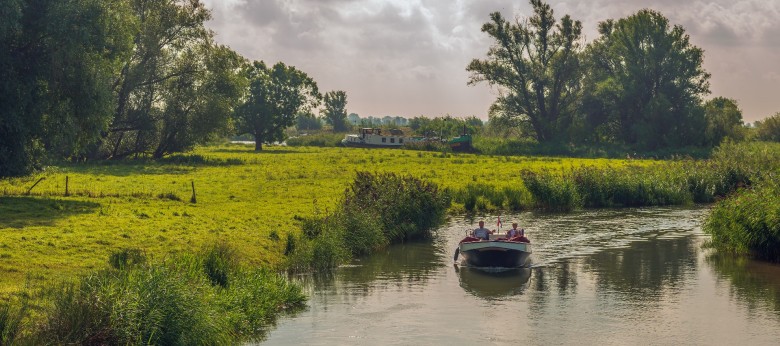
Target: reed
{"points": [[748, 222], [186, 300]]}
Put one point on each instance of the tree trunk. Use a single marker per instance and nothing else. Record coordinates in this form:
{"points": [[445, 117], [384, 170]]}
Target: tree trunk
{"points": [[258, 143]]}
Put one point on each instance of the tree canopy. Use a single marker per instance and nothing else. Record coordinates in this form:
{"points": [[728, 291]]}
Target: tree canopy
{"points": [[535, 65], [646, 81], [276, 95]]}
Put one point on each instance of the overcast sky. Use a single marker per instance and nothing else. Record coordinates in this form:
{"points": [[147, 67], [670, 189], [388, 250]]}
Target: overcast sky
{"points": [[409, 57]]}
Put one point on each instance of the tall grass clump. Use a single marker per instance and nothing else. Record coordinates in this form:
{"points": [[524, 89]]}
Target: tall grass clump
{"points": [[187, 300], [378, 209], [484, 197], [748, 222], [551, 192], [12, 318]]}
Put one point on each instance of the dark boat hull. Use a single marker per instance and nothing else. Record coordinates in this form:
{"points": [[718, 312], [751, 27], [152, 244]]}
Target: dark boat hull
{"points": [[497, 254]]}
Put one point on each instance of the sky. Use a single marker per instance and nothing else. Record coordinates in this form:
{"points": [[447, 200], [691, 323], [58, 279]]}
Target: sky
{"points": [[408, 57]]}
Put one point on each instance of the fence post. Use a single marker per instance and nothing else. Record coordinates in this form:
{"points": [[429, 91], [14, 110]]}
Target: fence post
{"points": [[193, 199], [66, 187], [36, 183]]}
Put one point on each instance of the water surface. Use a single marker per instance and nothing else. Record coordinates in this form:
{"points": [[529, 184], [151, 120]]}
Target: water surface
{"points": [[615, 277]]}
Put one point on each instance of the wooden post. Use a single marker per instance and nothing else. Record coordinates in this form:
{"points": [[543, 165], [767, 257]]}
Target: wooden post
{"points": [[36, 183], [193, 199], [66, 187]]}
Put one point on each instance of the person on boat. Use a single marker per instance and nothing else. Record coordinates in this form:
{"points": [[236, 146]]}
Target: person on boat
{"points": [[482, 232], [514, 232]]}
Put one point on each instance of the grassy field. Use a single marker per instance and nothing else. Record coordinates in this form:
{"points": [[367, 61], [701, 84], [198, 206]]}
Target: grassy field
{"points": [[246, 199]]}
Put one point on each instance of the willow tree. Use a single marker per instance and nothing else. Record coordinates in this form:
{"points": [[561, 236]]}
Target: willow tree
{"points": [[276, 95], [535, 65]]}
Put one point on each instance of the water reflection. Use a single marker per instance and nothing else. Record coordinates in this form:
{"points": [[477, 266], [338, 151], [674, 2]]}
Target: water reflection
{"points": [[600, 277], [493, 285], [755, 284]]}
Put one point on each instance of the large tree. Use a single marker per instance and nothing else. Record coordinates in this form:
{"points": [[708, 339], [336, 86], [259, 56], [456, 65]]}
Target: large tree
{"points": [[335, 111], [56, 69], [646, 82], [276, 95], [536, 67], [169, 47]]}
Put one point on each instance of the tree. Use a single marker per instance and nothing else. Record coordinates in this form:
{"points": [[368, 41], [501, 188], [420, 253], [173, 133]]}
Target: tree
{"points": [[724, 120], [535, 65], [55, 88], [276, 95], [335, 112], [170, 44], [200, 102], [646, 82], [769, 128]]}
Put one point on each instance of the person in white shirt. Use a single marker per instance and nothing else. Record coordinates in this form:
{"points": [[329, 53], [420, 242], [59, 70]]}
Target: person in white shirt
{"points": [[482, 232]]}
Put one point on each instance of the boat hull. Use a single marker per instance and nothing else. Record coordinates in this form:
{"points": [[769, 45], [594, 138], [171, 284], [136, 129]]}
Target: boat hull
{"points": [[497, 254]]}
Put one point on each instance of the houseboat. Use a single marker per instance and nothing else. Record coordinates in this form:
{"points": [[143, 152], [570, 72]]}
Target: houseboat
{"points": [[374, 138]]}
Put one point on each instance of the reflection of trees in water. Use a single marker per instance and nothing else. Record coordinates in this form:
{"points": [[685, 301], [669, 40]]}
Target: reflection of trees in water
{"points": [[403, 266], [647, 270], [755, 283]]}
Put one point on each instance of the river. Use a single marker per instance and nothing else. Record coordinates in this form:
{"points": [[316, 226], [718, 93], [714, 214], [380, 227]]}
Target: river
{"points": [[606, 277]]}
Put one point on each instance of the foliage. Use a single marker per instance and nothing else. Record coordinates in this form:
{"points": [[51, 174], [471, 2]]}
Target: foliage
{"points": [[536, 67], [724, 120], [335, 112], [276, 95], [305, 121], [55, 93], [13, 316], [748, 222], [644, 83], [769, 128], [445, 127], [377, 210], [172, 303], [320, 139]]}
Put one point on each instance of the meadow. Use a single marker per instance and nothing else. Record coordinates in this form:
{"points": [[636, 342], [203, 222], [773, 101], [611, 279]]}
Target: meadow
{"points": [[247, 199]]}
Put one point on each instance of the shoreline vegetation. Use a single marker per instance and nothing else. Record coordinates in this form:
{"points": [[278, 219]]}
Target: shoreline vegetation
{"points": [[140, 215]]}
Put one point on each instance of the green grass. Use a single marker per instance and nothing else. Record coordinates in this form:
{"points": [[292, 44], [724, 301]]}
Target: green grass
{"points": [[247, 199]]}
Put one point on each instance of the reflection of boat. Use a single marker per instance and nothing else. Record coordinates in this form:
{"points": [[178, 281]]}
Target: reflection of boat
{"points": [[493, 284], [496, 252], [373, 138]]}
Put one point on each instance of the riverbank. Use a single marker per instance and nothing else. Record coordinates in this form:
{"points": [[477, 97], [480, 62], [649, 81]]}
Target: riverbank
{"points": [[246, 198]]}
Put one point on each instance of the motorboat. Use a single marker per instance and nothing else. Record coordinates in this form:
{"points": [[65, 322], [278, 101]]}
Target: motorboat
{"points": [[496, 252], [374, 138]]}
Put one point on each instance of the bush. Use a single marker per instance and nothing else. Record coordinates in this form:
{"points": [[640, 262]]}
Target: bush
{"points": [[377, 210], [322, 139]]}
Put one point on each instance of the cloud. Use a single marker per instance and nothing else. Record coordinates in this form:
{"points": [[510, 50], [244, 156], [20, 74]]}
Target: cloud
{"points": [[408, 57]]}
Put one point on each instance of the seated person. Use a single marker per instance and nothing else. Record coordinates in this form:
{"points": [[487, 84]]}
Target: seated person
{"points": [[482, 232], [514, 232]]}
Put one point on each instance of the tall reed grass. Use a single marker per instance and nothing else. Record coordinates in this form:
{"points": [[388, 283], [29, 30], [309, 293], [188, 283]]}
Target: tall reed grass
{"points": [[208, 299]]}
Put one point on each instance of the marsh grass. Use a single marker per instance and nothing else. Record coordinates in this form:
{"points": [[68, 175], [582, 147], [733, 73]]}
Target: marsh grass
{"points": [[184, 300], [748, 222]]}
